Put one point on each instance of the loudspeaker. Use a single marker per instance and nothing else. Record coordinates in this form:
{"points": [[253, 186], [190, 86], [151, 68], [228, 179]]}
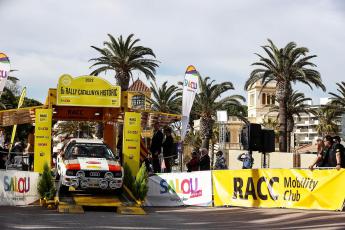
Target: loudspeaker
{"points": [[268, 140], [251, 137]]}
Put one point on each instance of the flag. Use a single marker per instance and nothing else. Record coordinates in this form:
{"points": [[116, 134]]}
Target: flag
{"points": [[4, 70], [190, 88], [20, 103]]}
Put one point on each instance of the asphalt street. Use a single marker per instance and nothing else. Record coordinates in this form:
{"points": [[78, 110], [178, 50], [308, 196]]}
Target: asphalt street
{"points": [[35, 217]]}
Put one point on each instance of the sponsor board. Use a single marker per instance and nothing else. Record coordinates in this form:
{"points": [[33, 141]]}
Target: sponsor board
{"points": [[93, 163], [131, 141], [18, 187], [287, 188], [177, 189], [42, 150], [88, 91]]}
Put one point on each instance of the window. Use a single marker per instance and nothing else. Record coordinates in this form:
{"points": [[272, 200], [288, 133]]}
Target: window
{"points": [[268, 99], [251, 99], [138, 101], [273, 99], [263, 99]]}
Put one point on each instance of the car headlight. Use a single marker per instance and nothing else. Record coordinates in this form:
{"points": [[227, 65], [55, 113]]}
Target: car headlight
{"points": [[70, 173], [108, 175], [80, 174]]}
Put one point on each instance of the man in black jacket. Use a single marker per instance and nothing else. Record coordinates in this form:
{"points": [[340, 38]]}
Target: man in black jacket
{"points": [[168, 148], [156, 147], [204, 162]]}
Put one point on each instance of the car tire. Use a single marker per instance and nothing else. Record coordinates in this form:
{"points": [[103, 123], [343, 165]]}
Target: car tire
{"points": [[64, 189]]}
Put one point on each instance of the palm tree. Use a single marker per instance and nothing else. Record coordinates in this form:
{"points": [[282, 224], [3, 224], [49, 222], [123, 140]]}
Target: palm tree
{"points": [[284, 66], [328, 117], [124, 56], [339, 100], [76, 128], [206, 105], [296, 104], [165, 99]]}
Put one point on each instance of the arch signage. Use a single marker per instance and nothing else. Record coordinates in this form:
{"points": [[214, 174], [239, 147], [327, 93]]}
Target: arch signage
{"points": [[89, 91]]}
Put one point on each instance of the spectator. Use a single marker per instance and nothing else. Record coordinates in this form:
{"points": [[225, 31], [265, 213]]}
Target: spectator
{"points": [[333, 154], [319, 161], [156, 147], [220, 161], [30, 147], [204, 162], [168, 148], [2, 138], [247, 160], [193, 164]]}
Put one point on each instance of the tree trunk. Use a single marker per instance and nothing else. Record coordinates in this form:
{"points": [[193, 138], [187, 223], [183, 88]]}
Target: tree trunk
{"points": [[290, 125], [282, 91], [206, 124], [282, 126]]}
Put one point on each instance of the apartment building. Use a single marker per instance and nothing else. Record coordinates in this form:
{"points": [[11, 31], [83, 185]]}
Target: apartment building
{"points": [[305, 131]]}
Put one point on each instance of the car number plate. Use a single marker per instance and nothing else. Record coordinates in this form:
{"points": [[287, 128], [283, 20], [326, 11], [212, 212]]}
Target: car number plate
{"points": [[95, 174]]}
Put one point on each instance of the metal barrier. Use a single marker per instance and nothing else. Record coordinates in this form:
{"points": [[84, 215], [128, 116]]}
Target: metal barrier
{"points": [[15, 160]]}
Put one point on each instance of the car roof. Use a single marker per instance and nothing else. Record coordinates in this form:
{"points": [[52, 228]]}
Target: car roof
{"points": [[87, 141]]}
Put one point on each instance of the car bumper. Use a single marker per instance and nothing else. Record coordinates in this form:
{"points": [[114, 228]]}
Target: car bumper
{"points": [[90, 182]]}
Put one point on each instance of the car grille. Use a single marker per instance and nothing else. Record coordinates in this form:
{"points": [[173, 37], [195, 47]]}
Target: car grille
{"points": [[96, 174]]}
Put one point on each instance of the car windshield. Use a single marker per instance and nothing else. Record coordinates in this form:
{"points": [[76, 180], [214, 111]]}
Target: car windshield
{"points": [[89, 150]]}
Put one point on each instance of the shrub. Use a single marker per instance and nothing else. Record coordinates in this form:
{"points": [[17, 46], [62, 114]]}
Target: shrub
{"points": [[46, 187], [139, 185]]}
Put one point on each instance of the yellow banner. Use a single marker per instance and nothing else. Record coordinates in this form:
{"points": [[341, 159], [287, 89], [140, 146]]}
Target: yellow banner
{"points": [[42, 151], [288, 188], [87, 91], [14, 130], [131, 141]]}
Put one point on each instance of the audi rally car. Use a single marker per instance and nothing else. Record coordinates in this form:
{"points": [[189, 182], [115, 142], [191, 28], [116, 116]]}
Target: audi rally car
{"points": [[88, 163]]}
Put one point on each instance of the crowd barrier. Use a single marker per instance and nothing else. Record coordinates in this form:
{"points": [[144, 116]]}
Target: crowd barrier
{"points": [[270, 188], [18, 187]]}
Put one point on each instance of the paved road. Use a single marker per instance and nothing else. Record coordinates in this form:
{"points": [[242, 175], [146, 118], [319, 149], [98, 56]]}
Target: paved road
{"points": [[34, 217]]}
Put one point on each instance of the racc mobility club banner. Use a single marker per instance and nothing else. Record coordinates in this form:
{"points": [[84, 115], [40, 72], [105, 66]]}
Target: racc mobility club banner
{"points": [[288, 188]]}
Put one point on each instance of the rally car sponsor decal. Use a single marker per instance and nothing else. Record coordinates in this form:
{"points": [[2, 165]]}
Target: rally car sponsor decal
{"points": [[93, 163]]}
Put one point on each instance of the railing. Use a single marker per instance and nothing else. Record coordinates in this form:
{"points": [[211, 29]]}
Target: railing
{"points": [[14, 160]]}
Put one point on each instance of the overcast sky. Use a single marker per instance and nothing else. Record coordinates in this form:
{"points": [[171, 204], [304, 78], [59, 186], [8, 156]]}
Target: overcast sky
{"points": [[45, 39]]}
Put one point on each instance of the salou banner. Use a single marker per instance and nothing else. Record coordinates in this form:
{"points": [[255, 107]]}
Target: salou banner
{"points": [[5, 68], [178, 189], [18, 187], [190, 88]]}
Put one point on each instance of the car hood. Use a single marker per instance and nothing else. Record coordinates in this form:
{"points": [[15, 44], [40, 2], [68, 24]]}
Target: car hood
{"points": [[88, 163]]}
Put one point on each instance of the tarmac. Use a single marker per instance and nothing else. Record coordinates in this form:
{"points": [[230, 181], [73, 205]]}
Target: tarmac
{"points": [[36, 217]]}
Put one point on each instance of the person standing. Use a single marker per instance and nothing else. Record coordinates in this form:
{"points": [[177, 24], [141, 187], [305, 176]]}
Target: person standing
{"points": [[247, 160], [204, 160], [319, 161], [332, 156], [30, 147], [168, 148], [156, 147], [193, 164], [220, 161]]}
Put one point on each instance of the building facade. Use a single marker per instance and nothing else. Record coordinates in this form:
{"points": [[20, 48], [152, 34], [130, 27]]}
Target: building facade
{"points": [[259, 101], [305, 130]]}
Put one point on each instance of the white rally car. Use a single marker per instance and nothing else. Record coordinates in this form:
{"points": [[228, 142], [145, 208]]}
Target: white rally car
{"points": [[88, 163]]}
